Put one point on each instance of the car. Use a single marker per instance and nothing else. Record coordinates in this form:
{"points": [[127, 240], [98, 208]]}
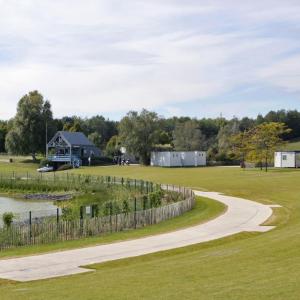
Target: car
{"points": [[45, 169]]}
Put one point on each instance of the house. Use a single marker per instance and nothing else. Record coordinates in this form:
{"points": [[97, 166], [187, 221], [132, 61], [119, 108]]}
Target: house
{"points": [[287, 159], [178, 159], [71, 147]]}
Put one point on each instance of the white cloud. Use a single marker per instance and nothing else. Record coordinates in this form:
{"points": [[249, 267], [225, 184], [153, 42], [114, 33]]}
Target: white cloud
{"points": [[108, 56]]}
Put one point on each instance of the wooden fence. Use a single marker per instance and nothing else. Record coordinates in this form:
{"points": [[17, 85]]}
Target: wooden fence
{"points": [[59, 230]]}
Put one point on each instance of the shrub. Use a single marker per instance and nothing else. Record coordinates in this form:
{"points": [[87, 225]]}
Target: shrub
{"points": [[125, 207], [155, 198], [8, 218], [101, 161], [44, 162]]}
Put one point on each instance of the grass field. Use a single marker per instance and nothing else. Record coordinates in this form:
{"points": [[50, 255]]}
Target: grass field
{"points": [[245, 266]]}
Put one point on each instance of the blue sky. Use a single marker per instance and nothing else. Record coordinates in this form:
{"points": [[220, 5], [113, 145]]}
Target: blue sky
{"points": [[192, 57]]}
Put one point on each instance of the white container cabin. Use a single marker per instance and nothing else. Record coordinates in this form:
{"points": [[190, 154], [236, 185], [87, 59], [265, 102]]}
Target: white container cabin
{"points": [[287, 159], [178, 159]]}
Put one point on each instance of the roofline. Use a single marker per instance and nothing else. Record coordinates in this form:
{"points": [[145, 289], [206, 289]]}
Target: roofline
{"points": [[61, 132]]}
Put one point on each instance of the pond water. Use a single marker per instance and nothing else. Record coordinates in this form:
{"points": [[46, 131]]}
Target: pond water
{"points": [[21, 207]]}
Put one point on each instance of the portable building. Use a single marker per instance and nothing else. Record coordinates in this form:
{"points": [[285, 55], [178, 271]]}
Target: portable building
{"points": [[287, 159], [178, 158]]}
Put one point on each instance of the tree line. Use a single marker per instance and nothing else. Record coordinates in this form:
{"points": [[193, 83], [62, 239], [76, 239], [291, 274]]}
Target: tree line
{"points": [[140, 133]]}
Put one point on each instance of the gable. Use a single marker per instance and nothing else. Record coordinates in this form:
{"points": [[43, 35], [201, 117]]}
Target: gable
{"points": [[58, 141]]}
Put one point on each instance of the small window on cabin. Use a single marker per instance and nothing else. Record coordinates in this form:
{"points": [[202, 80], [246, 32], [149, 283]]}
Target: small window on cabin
{"points": [[284, 157]]}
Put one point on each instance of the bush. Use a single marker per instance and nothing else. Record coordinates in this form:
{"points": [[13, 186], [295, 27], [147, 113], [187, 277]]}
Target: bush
{"points": [[8, 218], [64, 167], [101, 161], [44, 162]]}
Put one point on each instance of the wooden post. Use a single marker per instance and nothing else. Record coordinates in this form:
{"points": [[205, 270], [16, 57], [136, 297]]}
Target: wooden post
{"points": [[135, 212], [110, 216], [81, 220], [57, 216], [30, 227]]}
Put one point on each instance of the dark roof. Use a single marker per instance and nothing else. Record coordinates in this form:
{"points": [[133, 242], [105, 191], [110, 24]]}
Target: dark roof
{"points": [[76, 138]]}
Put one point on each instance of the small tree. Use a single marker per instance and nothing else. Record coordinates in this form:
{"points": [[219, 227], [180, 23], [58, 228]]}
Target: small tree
{"points": [[8, 218], [240, 146], [263, 140]]}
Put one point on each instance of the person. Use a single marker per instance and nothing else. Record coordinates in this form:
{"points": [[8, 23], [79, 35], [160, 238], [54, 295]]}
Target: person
{"points": [[90, 160]]}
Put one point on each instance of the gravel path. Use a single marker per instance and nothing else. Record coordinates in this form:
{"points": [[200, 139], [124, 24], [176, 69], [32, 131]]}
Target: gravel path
{"points": [[241, 215]]}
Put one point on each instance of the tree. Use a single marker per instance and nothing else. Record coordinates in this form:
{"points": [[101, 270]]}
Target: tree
{"points": [[139, 133], [224, 140], [3, 133], [113, 146], [240, 146], [28, 132], [95, 138], [188, 137], [266, 138]]}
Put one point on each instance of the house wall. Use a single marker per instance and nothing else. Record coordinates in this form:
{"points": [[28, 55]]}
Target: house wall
{"points": [[285, 160], [178, 159]]}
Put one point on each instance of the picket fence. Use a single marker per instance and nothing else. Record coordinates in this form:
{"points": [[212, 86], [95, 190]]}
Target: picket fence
{"points": [[18, 235]]}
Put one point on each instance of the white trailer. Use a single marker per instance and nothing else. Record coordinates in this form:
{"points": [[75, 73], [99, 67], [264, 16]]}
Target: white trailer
{"points": [[178, 158], [287, 159]]}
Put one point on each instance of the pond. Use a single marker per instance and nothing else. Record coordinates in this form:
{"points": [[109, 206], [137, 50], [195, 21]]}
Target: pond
{"points": [[21, 207]]}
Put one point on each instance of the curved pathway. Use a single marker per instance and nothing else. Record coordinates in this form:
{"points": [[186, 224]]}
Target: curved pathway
{"points": [[241, 215]]}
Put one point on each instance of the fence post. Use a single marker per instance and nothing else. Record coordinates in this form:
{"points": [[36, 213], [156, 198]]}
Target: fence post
{"points": [[116, 222], [57, 216], [110, 216], [122, 181], [81, 220], [135, 212], [150, 211], [30, 229]]}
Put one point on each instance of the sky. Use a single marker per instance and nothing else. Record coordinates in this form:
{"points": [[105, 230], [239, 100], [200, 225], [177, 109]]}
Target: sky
{"points": [[192, 57]]}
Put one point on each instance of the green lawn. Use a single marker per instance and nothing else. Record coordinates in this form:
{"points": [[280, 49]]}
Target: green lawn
{"points": [[245, 266]]}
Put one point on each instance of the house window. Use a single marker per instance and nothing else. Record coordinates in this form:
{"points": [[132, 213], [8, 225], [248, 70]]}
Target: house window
{"points": [[284, 157]]}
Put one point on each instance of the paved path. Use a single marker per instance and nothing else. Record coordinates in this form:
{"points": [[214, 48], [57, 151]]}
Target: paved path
{"points": [[241, 215]]}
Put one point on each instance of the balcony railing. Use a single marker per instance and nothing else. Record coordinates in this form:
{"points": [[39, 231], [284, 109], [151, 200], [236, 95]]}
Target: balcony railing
{"points": [[62, 157]]}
